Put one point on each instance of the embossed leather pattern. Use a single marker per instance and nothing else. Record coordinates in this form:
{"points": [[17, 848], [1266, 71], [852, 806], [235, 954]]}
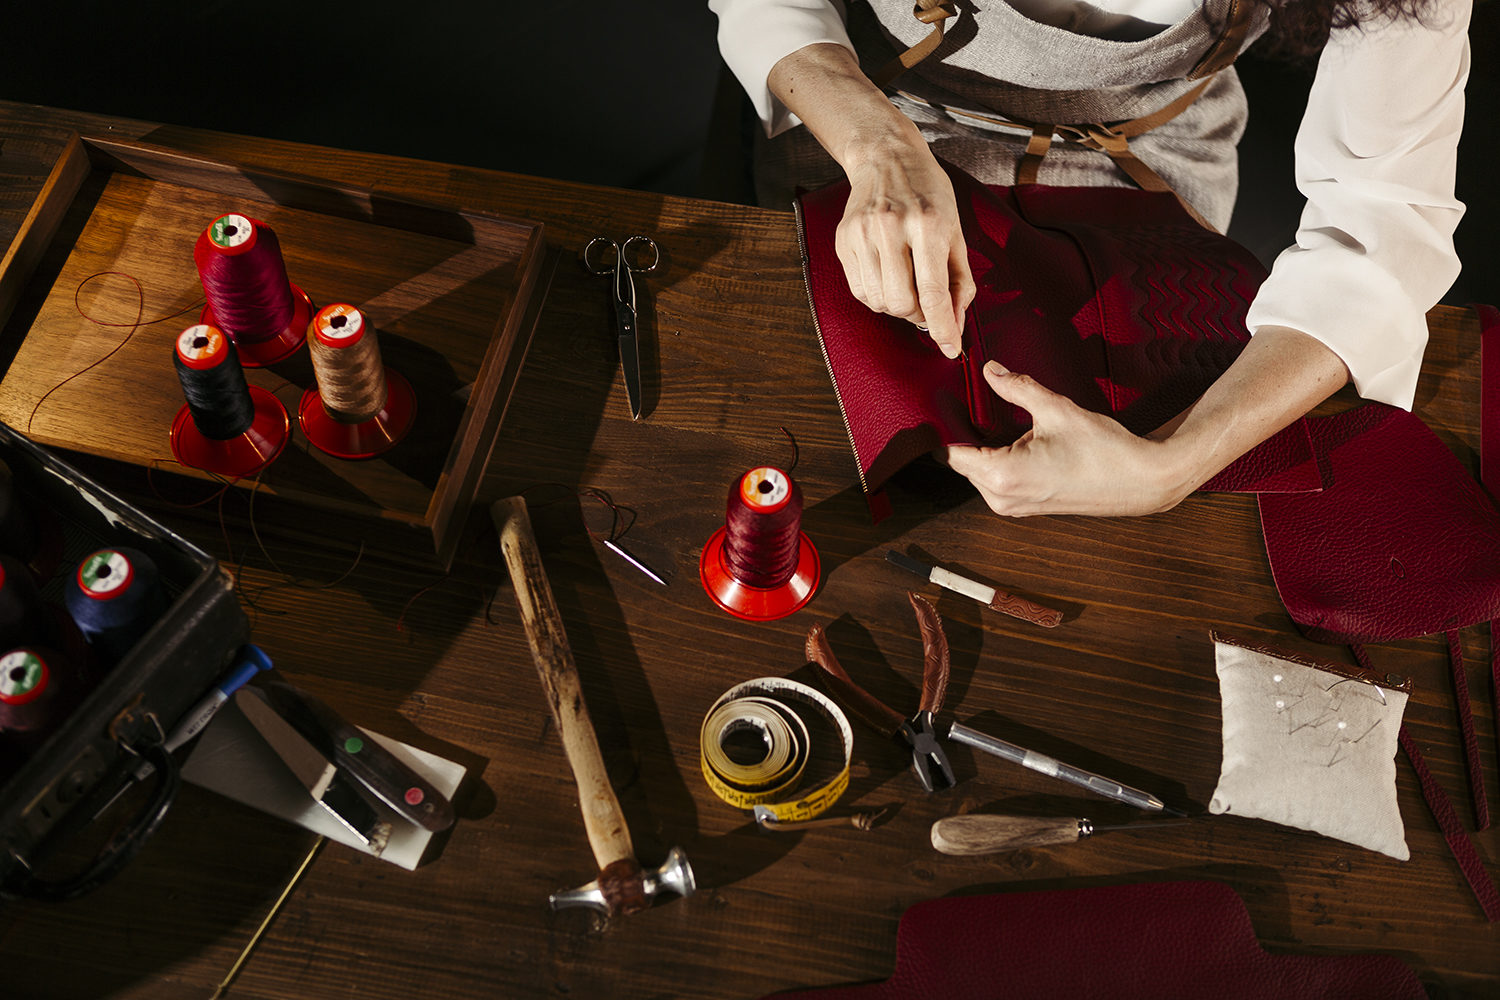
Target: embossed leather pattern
{"points": [[1146, 941], [1113, 297]]}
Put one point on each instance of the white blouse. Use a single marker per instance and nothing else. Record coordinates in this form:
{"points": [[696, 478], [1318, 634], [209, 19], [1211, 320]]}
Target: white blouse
{"points": [[1375, 157]]}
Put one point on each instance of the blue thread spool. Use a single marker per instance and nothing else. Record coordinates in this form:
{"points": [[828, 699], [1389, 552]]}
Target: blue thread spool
{"points": [[114, 598], [38, 688], [21, 617]]}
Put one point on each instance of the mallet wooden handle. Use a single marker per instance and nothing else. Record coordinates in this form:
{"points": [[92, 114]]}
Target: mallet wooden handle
{"points": [[602, 817]]}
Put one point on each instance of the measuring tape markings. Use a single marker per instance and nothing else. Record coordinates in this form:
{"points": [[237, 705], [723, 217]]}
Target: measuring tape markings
{"points": [[760, 705]]}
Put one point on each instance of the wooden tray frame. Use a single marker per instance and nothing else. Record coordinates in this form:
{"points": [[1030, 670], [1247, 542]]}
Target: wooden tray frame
{"points": [[436, 528]]}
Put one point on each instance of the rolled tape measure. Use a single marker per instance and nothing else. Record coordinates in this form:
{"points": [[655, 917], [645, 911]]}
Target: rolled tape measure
{"points": [[767, 706]]}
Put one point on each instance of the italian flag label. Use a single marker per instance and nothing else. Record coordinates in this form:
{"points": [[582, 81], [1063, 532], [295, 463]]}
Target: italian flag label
{"points": [[104, 574], [230, 231], [22, 673]]}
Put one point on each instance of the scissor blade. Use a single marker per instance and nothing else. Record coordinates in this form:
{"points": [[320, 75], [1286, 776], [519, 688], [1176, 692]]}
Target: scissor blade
{"points": [[630, 356]]}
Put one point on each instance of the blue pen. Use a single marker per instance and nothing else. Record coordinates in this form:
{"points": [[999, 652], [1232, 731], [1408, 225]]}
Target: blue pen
{"points": [[252, 660]]}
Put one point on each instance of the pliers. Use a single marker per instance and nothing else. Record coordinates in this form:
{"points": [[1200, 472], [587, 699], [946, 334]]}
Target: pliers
{"points": [[928, 759]]}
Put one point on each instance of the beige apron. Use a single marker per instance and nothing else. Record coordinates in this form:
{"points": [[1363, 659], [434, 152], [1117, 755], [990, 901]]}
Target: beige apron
{"points": [[995, 62]]}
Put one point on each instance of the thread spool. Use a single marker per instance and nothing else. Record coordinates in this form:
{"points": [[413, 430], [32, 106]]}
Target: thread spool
{"points": [[114, 598], [761, 565], [248, 294], [22, 619], [226, 426], [360, 408], [38, 688]]}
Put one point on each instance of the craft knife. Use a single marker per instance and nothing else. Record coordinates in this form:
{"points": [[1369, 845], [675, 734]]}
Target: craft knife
{"points": [[329, 787], [995, 600], [376, 769]]}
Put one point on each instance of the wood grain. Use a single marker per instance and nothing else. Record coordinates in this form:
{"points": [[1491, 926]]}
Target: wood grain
{"points": [[1125, 686]]}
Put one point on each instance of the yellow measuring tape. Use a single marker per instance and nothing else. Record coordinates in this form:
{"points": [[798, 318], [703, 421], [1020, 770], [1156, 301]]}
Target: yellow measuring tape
{"points": [[767, 706]]}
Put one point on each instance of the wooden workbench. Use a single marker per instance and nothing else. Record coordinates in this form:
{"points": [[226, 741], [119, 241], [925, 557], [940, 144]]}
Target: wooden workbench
{"points": [[1125, 686]]}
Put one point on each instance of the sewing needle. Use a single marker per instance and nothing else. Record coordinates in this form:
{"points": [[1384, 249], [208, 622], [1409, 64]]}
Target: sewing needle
{"points": [[632, 560]]}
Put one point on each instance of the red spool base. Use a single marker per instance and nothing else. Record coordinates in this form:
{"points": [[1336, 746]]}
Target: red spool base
{"points": [[363, 440], [239, 456], [277, 348], [758, 604]]}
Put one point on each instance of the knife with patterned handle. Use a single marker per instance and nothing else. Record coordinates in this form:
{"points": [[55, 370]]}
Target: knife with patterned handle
{"points": [[995, 600]]}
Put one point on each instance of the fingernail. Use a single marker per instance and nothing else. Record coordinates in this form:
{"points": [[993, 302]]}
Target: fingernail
{"points": [[950, 352], [996, 368]]}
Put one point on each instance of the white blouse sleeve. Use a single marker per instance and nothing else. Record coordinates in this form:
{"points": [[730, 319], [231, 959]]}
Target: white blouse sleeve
{"points": [[755, 34], [1376, 157]]}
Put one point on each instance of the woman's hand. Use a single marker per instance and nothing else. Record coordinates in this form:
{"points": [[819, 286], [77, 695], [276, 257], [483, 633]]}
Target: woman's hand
{"points": [[899, 242], [1071, 461], [901, 246]]}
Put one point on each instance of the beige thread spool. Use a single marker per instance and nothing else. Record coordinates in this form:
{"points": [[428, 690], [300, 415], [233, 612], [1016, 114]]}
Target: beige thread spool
{"points": [[346, 361], [360, 407]]}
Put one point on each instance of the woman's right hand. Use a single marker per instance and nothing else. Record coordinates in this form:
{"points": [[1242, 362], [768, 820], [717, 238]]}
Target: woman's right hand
{"points": [[901, 244]]}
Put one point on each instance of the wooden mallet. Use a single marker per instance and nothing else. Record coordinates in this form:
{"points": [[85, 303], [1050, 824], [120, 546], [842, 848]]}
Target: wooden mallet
{"points": [[622, 887]]}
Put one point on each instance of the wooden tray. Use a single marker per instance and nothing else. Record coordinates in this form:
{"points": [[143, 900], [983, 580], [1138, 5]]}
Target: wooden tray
{"points": [[454, 296]]}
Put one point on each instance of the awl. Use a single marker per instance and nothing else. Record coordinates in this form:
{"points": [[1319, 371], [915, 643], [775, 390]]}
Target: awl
{"points": [[995, 600], [986, 833]]}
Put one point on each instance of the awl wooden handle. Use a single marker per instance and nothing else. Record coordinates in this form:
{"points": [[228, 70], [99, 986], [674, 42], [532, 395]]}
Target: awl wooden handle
{"points": [[602, 817], [1026, 610], [983, 833]]}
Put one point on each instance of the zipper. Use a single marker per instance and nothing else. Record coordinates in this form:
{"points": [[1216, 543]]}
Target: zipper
{"points": [[859, 465]]}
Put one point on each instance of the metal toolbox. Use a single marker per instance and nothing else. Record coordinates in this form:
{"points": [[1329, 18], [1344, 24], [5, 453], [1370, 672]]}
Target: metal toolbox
{"points": [[54, 793]]}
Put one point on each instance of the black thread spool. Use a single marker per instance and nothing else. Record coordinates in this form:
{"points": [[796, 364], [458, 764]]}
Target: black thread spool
{"points": [[22, 619], [227, 426], [114, 598], [360, 407], [38, 688], [247, 292], [761, 565]]}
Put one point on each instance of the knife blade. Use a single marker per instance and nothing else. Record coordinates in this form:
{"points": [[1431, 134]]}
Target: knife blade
{"points": [[328, 786], [630, 352], [366, 761], [995, 600]]}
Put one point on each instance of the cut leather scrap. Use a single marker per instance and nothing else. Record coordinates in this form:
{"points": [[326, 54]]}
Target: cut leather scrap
{"points": [[1405, 542], [1126, 942]]}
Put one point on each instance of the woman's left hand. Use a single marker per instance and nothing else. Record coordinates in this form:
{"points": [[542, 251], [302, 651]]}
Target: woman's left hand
{"points": [[1071, 461]]}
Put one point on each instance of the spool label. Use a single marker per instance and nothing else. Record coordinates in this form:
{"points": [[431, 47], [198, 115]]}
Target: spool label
{"points": [[339, 323], [200, 342], [765, 489], [231, 231], [105, 574], [23, 676]]}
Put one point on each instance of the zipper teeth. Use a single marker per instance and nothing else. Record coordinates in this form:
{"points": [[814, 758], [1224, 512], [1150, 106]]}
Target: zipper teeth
{"points": [[859, 466]]}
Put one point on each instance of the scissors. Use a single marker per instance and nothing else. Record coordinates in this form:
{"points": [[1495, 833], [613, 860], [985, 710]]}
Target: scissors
{"points": [[637, 255]]}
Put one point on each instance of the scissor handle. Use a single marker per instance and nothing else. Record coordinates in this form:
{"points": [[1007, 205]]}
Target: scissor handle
{"points": [[604, 244], [633, 253]]}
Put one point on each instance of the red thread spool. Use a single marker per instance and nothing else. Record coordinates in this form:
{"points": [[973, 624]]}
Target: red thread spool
{"points": [[226, 426], [248, 294], [38, 688], [761, 565], [360, 407]]}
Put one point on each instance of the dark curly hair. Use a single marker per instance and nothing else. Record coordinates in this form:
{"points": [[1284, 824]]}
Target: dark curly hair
{"points": [[1299, 28]]}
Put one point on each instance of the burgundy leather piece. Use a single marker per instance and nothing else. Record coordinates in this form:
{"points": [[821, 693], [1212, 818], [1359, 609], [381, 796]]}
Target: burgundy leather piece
{"points": [[1154, 940], [1113, 297], [1458, 840], [1405, 543], [1466, 729]]}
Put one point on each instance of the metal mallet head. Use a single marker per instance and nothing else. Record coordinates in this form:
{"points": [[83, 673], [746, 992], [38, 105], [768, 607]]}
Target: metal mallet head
{"points": [[675, 875]]}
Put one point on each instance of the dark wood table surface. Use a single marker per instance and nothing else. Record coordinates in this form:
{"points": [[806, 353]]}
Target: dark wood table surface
{"points": [[1125, 686]]}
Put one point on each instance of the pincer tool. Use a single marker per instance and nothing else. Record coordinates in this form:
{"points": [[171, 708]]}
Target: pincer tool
{"points": [[926, 735]]}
